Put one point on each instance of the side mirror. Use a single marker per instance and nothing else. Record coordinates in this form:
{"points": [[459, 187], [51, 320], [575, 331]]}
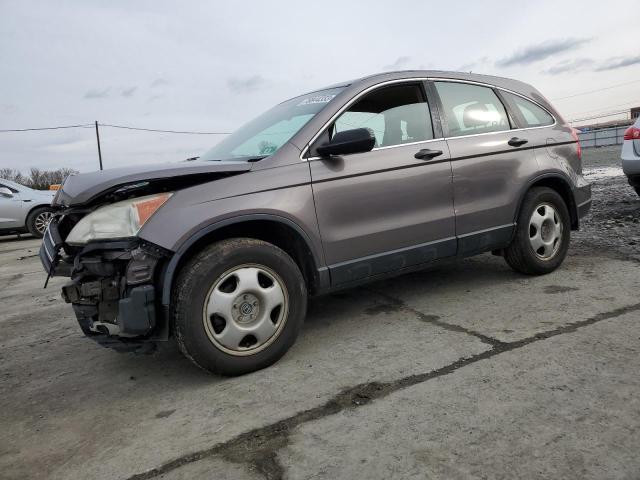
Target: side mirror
{"points": [[5, 192], [358, 140]]}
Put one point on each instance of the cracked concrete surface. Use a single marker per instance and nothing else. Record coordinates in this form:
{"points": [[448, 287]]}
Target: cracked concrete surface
{"points": [[464, 371]]}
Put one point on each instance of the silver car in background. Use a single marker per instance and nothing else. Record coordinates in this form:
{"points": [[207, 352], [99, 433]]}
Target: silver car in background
{"points": [[23, 209], [631, 155]]}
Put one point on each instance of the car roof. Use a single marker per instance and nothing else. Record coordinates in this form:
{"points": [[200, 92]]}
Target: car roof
{"points": [[503, 82], [513, 85]]}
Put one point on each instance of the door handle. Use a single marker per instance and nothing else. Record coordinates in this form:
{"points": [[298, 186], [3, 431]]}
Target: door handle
{"points": [[426, 154], [517, 142]]}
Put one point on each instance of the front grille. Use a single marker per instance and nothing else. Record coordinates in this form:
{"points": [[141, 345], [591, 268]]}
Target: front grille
{"points": [[50, 248]]}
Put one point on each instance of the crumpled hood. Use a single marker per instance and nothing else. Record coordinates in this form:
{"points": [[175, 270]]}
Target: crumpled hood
{"points": [[83, 188]]}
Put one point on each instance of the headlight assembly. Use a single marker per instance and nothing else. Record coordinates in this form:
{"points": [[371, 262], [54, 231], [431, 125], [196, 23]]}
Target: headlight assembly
{"points": [[118, 220]]}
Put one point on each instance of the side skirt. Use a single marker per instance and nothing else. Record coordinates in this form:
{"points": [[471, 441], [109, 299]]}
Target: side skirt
{"points": [[417, 257], [385, 262]]}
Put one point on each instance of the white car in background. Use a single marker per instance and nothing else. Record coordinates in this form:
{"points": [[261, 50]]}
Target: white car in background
{"points": [[631, 155], [23, 209]]}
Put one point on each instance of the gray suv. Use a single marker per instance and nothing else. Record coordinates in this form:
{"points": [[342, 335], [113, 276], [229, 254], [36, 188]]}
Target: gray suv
{"points": [[348, 184]]}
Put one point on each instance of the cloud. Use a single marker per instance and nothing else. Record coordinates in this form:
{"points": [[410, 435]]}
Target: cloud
{"points": [[159, 82], [8, 108], [618, 62], [535, 53], [471, 65], [245, 85], [96, 93], [70, 146], [567, 66], [129, 91], [398, 64]]}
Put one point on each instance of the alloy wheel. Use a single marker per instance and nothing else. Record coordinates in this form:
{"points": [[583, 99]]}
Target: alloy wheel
{"points": [[42, 221]]}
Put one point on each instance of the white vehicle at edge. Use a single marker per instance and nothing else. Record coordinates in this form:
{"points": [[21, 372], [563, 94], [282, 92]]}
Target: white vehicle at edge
{"points": [[631, 155], [23, 209]]}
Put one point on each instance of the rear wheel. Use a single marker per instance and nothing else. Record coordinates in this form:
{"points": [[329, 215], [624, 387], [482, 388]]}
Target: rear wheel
{"points": [[238, 306], [542, 233], [38, 220]]}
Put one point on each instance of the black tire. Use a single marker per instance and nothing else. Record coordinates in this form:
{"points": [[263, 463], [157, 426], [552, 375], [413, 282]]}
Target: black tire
{"points": [[33, 224], [520, 254], [192, 288], [637, 189]]}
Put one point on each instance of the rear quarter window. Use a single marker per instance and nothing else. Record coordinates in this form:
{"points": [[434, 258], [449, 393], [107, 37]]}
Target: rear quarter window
{"points": [[532, 114]]}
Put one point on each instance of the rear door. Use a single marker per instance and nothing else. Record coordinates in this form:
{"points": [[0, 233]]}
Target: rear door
{"points": [[490, 164], [385, 209]]}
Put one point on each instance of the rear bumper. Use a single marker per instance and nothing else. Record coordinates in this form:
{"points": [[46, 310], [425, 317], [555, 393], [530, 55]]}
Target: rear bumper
{"points": [[630, 158], [582, 197], [583, 209], [634, 180]]}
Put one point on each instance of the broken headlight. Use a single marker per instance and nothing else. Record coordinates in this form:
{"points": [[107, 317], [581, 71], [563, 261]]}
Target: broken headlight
{"points": [[118, 220]]}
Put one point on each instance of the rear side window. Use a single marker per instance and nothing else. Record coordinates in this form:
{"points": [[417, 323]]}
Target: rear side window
{"points": [[471, 109], [395, 115], [533, 115]]}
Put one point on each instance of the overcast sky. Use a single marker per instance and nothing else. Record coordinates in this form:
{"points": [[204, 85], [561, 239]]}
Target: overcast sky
{"points": [[211, 66]]}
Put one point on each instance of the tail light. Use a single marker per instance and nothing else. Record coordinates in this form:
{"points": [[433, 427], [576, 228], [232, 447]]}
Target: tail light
{"points": [[632, 133], [574, 134]]}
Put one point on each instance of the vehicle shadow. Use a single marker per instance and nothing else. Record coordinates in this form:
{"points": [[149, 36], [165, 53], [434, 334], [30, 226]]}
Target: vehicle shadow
{"points": [[12, 238]]}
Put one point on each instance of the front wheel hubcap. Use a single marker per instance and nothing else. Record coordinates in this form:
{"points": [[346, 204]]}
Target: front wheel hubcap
{"points": [[245, 309], [545, 231]]}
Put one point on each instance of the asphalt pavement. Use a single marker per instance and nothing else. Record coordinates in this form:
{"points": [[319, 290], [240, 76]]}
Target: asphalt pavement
{"points": [[467, 370]]}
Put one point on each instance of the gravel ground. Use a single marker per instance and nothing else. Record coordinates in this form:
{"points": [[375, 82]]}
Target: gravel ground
{"points": [[463, 371], [614, 222]]}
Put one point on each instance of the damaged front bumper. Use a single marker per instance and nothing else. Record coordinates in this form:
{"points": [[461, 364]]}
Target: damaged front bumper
{"points": [[112, 288]]}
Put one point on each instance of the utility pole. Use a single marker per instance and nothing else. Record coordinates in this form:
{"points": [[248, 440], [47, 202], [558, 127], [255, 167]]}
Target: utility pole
{"points": [[98, 139]]}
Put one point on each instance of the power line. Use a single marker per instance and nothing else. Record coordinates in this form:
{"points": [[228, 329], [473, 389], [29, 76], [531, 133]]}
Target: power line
{"points": [[597, 90], [162, 131], [90, 125], [45, 128], [599, 116], [595, 110]]}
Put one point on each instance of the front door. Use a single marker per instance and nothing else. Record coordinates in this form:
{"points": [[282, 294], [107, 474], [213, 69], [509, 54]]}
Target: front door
{"points": [[385, 210], [11, 209]]}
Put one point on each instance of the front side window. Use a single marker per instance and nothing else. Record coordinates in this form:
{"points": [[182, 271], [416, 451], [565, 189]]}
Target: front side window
{"points": [[12, 188], [471, 109], [395, 115], [267, 133], [532, 114]]}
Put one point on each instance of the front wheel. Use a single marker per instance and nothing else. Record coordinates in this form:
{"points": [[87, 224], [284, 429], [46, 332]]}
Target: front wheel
{"points": [[238, 306], [38, 221], [542, 233]]}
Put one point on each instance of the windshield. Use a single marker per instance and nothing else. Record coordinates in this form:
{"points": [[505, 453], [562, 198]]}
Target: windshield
{"points": [[264, 135]]}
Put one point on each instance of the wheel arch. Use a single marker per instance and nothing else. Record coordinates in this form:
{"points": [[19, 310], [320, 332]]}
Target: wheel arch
{"points": [[277, 230], [33, 207], [559, 183]]}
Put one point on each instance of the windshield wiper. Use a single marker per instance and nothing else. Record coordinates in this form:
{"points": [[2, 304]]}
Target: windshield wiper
{"points": [[256, 159]]}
